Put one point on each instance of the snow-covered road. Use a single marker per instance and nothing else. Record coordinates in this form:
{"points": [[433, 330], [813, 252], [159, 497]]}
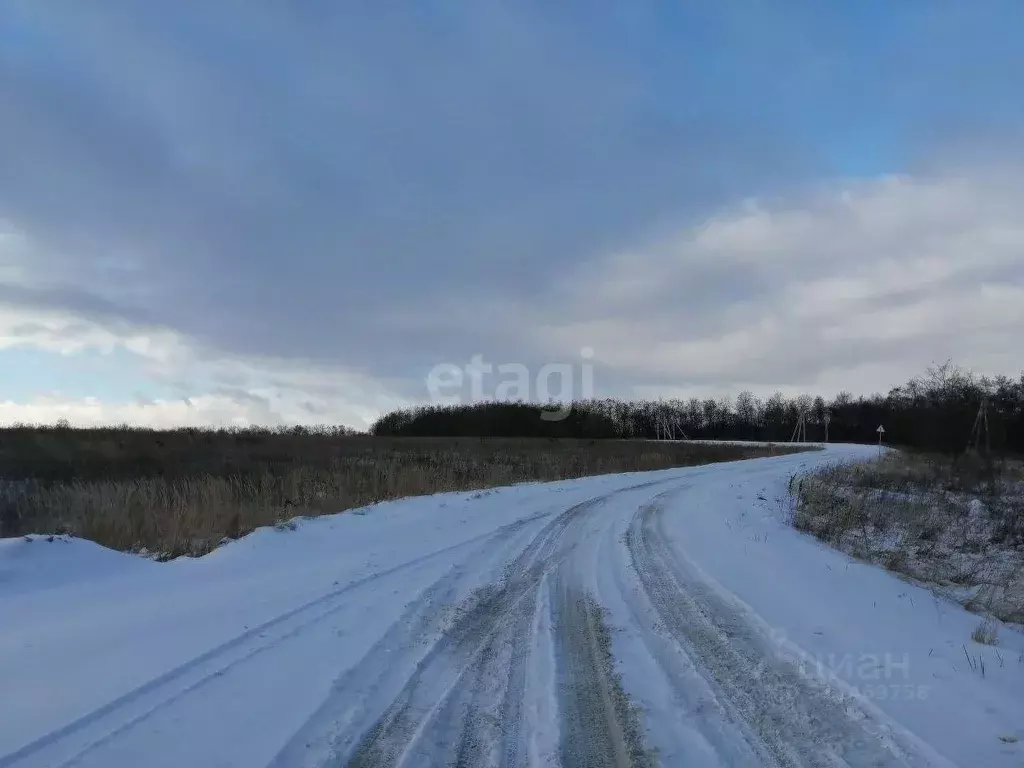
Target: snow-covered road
{"points": [[667, 618]]}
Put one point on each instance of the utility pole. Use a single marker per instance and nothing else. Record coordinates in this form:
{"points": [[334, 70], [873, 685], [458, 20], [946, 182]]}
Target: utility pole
{"points": [[981, 424], [800, 433], [666, 428]]}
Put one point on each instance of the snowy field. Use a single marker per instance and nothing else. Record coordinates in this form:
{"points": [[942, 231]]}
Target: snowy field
{"points": [[670, 618]]}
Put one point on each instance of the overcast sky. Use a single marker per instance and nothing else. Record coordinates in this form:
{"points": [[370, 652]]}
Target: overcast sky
{"points": [[244, 212]]}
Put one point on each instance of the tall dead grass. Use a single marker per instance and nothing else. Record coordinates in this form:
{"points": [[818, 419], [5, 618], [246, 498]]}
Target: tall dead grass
{"points": [[189, 514], [957, 525]]}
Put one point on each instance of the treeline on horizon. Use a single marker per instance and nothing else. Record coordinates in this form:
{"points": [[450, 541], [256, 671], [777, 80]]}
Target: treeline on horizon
{"points": [[937, 411]]}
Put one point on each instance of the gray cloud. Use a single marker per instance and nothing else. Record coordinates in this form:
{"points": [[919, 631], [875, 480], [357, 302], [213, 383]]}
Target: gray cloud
{"points": [[895, 274], [382, 189], [283, 181]]}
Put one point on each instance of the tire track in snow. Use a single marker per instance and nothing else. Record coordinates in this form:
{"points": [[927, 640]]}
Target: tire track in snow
{"points": [[411, 690], [465, 701], [69, 745], [791, 720], [600, 727], [436, 719], [540, 732]]}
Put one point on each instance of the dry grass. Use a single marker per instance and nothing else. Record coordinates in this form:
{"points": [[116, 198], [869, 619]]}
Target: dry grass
{"points": [[986, 633], [175, 508], [955, 525]]}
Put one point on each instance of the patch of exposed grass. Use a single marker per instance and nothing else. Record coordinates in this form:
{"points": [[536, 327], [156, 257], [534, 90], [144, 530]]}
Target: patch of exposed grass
{"points": [[986, 633], [957, 525]]}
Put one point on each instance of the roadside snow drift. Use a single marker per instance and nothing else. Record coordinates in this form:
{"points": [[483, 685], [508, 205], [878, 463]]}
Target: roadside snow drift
{"points": [[668, 618]]}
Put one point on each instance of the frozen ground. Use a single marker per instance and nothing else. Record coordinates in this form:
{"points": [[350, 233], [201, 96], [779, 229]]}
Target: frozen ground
{"points": [[668, 618]]}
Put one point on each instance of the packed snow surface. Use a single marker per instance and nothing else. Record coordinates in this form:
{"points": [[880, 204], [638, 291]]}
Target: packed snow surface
{"points": [[670, 618]]}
